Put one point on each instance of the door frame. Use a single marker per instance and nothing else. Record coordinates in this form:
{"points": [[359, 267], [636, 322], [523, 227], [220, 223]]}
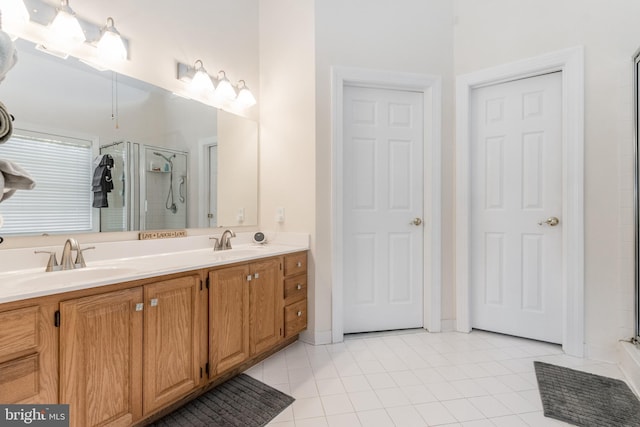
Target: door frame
{"points": [[431, 88], [571, 63], [204, 191]]}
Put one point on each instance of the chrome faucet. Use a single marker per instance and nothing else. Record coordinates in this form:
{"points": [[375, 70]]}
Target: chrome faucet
{"points": [[70, 245], [65, 263], [224, 242]]}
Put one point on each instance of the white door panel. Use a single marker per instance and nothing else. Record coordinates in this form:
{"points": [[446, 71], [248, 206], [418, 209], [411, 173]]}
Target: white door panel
{"points": [[383, 193], [516, 173]]}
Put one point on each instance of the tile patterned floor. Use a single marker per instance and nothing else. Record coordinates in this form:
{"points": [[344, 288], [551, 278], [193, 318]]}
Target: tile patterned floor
{"points": [[414, 378]]}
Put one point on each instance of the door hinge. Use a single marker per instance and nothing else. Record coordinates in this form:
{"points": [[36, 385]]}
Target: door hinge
{"points": [[200, 372], [56, 319], [206, 368]]}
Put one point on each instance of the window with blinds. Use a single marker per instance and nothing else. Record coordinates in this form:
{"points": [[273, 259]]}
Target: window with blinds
{"points": [[61, 200]]}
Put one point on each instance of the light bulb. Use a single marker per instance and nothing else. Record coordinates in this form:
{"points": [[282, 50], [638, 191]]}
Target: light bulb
{"points": [[65, 29], [201, 82], [224, 91], [111, 46], [14, 12], [245, 98]]}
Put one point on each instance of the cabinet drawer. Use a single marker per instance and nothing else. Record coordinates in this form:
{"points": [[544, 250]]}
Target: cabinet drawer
{"points": [[295, 289], [295, 263], [295, 318], [19, 331], [19, 379]]}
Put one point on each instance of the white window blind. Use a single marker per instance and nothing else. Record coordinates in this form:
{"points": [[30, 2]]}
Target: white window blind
{"points": [[61, 200]]}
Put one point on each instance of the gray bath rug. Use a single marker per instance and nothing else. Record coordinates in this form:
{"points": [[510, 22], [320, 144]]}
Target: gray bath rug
{"points": [[585, 399], [240, 402]]}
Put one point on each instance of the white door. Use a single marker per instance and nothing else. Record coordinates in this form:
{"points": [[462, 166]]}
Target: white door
{"points": [[212, 194], [383, 206], [516, 185]]}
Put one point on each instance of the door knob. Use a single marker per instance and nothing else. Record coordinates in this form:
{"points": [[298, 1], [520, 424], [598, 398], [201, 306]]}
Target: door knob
{"points": [[551, 221], [416, 221]]}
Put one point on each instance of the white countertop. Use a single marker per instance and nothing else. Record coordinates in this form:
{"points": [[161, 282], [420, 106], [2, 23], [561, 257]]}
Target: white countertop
{"points": [[140, 261]]}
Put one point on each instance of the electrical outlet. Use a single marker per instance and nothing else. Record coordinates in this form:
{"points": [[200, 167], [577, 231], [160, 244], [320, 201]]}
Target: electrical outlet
{"points": [[280, 215]]}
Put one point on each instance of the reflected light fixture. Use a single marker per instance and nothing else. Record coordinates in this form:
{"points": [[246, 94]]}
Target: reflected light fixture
{"points": [[201, 82], [245, 98], [224, 91], [14, 12], [111, 46], [65, 28]]}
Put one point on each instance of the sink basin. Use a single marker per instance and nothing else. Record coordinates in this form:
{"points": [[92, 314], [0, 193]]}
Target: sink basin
{"points": [[232, 254], [79, 275]]}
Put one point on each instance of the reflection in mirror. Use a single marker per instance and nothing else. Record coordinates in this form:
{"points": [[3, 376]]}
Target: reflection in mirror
{"points": [[177, 162]]}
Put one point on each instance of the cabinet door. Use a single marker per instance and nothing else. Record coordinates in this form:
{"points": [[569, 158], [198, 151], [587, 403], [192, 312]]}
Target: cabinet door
{"points": [[228, 317], [29, 355], [265, 302], [101, 358], [171, 340]]}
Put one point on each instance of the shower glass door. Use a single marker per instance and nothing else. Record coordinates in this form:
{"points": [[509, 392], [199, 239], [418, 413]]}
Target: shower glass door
{"points": [[123, 210], [165, 189]]}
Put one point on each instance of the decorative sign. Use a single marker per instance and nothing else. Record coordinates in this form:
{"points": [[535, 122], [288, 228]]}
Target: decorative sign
{"points": [[162, 234]]}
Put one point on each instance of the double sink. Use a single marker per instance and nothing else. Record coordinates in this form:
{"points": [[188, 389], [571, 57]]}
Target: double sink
{"points": [[36, 282]]}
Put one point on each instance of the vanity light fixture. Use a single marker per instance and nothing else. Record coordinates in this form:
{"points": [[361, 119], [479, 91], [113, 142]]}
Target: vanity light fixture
{"points": [[219, 93], [65, 27], [14, 12], [111, 46], [224, 91], [245, 98]]}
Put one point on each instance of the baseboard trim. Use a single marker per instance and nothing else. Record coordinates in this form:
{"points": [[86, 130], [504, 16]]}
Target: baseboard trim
{"points": [[629, 362]]}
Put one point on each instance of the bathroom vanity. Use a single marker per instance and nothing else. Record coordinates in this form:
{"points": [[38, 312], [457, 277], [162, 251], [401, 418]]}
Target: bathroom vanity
{"points": [[129, 348]]}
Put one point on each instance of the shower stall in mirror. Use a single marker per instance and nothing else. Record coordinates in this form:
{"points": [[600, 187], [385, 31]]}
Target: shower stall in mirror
{"points": [[164, 189], [149, 188]]}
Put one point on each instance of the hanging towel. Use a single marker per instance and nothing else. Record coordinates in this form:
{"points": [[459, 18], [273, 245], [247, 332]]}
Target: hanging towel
{"points": [[6, 124], [102, 182], [8, 54], [12, 178]]}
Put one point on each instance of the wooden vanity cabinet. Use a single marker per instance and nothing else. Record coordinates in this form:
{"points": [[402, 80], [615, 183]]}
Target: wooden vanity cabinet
{"points": [[265, 305], [125, 354], [28, 354], [120, 354], [228, 318], [295, 293], [171, 340], [101, 358], [245, 312]]}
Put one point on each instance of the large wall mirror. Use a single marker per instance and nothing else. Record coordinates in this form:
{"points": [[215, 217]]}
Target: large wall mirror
{"points": [[177, 163]]}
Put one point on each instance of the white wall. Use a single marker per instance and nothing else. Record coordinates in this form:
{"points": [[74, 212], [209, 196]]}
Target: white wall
{"points": [[493, 32], [287, 121]]}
